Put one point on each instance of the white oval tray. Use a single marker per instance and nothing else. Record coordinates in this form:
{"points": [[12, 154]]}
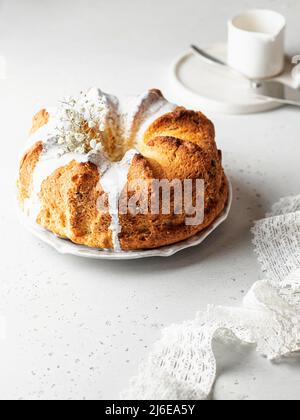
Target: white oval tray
{"points": [[64, 246], [213, 88]]}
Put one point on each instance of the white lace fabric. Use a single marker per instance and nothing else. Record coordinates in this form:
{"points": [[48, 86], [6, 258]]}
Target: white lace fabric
{"points": [[182, 365]]}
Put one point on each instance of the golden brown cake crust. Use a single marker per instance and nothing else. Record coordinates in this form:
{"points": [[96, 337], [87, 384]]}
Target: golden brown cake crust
{"points": [[179, 145], [27, 167], [39, 120], [69, 209]]}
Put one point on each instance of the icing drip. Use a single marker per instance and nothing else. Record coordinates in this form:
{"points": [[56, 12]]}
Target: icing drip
{"points": [[45, 131], [153, 111], [46, 167], [137, 113], [113, 182]]}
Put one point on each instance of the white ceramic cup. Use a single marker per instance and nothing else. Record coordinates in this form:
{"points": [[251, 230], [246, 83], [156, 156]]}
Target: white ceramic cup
{"points": [[256, 43]]}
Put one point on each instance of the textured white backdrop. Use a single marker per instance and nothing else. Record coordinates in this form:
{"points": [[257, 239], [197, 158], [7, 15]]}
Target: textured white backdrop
{"points": [[75, 328]]}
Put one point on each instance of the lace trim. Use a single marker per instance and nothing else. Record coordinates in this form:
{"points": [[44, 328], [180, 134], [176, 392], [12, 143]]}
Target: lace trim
{"points": [[182, 364]]}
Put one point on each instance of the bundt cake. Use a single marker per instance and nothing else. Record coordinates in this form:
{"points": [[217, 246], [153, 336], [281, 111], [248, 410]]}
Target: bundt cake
{"points": [[82, 154]]}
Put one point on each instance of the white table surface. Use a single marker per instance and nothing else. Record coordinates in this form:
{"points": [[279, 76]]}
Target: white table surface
{"points": [[78, 329]]}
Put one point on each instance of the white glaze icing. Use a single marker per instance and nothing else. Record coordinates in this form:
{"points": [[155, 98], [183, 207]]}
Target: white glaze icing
{"points": [[117, 115], [46, 167], [44, 132], [154, 111], [113, 182]]}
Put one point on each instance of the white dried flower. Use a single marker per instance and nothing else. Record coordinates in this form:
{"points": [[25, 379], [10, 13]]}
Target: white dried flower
{"points": [[92, 124], [99, 147], [74, 117], [93, 144], [102, 126], [69, 138], [80, 137], [80, 150]]}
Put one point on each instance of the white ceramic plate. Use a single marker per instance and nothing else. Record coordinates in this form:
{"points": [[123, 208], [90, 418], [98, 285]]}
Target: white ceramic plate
{"points": [[64, 246], [198, 84]]}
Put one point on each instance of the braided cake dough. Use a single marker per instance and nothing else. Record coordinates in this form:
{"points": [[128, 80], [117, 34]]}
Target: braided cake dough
{"points": [[86, 150]]}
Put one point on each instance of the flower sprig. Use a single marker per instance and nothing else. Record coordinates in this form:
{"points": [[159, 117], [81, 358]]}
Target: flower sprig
{"points": [[80, 124]]}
